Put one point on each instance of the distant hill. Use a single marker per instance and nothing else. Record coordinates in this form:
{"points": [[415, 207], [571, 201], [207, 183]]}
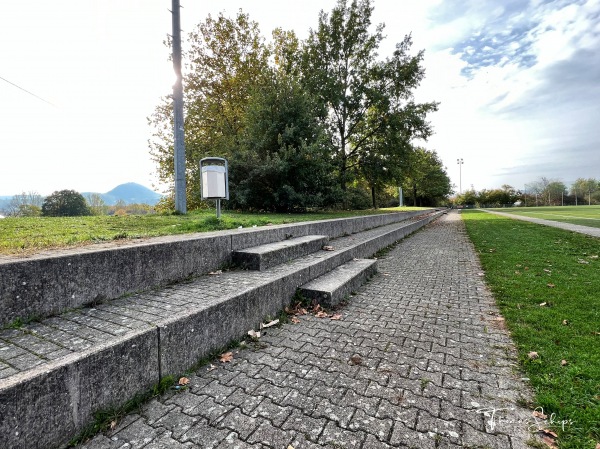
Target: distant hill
{"points": [[130, 193]]}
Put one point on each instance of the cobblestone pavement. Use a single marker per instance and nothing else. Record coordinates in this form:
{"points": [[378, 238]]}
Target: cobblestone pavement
{"points": [[587, 230], [420, 358]]}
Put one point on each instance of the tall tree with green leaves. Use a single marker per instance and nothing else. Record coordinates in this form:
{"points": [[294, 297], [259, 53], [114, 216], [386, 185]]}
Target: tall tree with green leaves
{"points": [[425, 178], [361, 96], [226, 60]]}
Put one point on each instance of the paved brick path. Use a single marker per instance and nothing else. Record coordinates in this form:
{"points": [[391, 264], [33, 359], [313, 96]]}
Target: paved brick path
{"points": [[419, 359]]}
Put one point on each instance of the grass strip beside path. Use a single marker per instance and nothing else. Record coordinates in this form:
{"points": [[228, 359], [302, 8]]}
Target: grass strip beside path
{"points": [[27, 235], [546, 282]]}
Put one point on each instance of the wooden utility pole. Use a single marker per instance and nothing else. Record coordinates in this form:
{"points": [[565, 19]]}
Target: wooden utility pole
{"points": [[179, 150]]}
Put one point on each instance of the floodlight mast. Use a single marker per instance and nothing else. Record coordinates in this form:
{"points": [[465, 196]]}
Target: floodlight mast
{"points": [[179, 147]]}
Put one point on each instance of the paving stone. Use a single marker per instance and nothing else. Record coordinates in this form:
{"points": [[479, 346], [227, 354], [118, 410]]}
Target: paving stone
{"points": [[242, 424], [407, 366], [204, 435], [333, 435]]}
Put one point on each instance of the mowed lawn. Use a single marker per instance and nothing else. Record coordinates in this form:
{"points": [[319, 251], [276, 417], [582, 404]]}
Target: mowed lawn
{"points": [[27, 235], [580, 215], [546, 282]]}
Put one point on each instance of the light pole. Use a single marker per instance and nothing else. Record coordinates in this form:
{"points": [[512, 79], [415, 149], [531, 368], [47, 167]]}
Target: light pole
{"points": [[460, 162]]}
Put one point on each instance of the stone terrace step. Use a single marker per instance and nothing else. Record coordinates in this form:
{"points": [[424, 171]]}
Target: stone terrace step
{"points": [[271, 254], [56, 373], [329, 289]]}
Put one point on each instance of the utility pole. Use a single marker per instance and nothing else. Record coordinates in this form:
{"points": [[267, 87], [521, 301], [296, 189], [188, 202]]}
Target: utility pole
{"points": [[179, 150], [460, 162]]}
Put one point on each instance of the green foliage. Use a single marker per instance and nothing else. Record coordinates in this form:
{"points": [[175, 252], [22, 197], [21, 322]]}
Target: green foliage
{"points": [[65, 203], [365, 103], [425, 179], [298, 121], [545, 283]]}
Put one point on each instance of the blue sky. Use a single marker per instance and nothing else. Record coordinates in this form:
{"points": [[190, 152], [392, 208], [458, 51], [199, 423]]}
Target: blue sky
{"points": [[518, 82]]}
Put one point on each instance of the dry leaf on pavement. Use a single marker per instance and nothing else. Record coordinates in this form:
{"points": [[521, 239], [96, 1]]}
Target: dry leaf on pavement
{"points": [[563, 362], [227, 357], [328, 248], [295, 320], [212, 273], [254, 334], [321, 314], [184, 381], [337, 316], [538, 414]]}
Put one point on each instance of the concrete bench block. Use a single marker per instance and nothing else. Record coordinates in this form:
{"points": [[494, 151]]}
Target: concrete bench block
{"points": [[271, 254], [47, 406], [329, 289]]}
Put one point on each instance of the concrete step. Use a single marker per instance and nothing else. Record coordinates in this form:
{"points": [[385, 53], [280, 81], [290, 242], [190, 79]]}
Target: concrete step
{"points": [[266, 256], [329, 289], [55, 373]]}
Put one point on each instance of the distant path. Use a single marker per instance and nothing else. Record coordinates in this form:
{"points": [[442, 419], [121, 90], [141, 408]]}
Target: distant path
{"points": [[594, 232]]}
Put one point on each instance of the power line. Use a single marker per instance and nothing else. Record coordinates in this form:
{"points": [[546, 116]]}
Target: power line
{"points": [[25, 90]]}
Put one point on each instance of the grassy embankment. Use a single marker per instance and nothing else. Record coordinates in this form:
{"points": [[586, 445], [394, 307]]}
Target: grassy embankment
{"points": [[546, 282], [21, 236]]}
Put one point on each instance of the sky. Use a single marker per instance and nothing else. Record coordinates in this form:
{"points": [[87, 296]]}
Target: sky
{"points": [[518, 84]]}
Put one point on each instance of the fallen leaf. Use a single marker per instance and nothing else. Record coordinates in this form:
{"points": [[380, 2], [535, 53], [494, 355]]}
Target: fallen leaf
{"points": [[337, 316], [597, 444], [328, 248], [269, 324], [533, 355], [480, 274], [356, 360], [563, 362], [595, 256], [295, 320], [543, 304], [213, 273], [113, 424], [565, 322], [227, 357], [548, 437], [290, 446], [539, 414], [526, 268], [254, 334], [321, 314], [547, 270], [551, 285], [184, 381], [583, 261], [211, 367]]}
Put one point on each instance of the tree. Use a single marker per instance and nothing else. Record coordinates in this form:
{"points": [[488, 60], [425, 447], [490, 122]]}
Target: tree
{"points": [[282, 162], [25, 205], [584, 186], [360, 96], [425, 178], [96, 204], [65, 203], [226, 61]]}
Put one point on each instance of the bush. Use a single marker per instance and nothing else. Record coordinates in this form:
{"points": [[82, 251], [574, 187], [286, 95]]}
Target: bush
{"points": [[65, 203]]}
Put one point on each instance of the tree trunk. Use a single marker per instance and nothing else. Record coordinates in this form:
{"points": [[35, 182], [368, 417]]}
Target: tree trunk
{"points": [[373, 197]]}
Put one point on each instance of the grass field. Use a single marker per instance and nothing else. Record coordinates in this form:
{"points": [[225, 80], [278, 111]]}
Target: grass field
{"points": [[546, 282], [580, 215], [22, 236]]}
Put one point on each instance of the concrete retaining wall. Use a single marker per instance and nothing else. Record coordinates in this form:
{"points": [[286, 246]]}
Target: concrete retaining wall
{"points": [[43, 286]]}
